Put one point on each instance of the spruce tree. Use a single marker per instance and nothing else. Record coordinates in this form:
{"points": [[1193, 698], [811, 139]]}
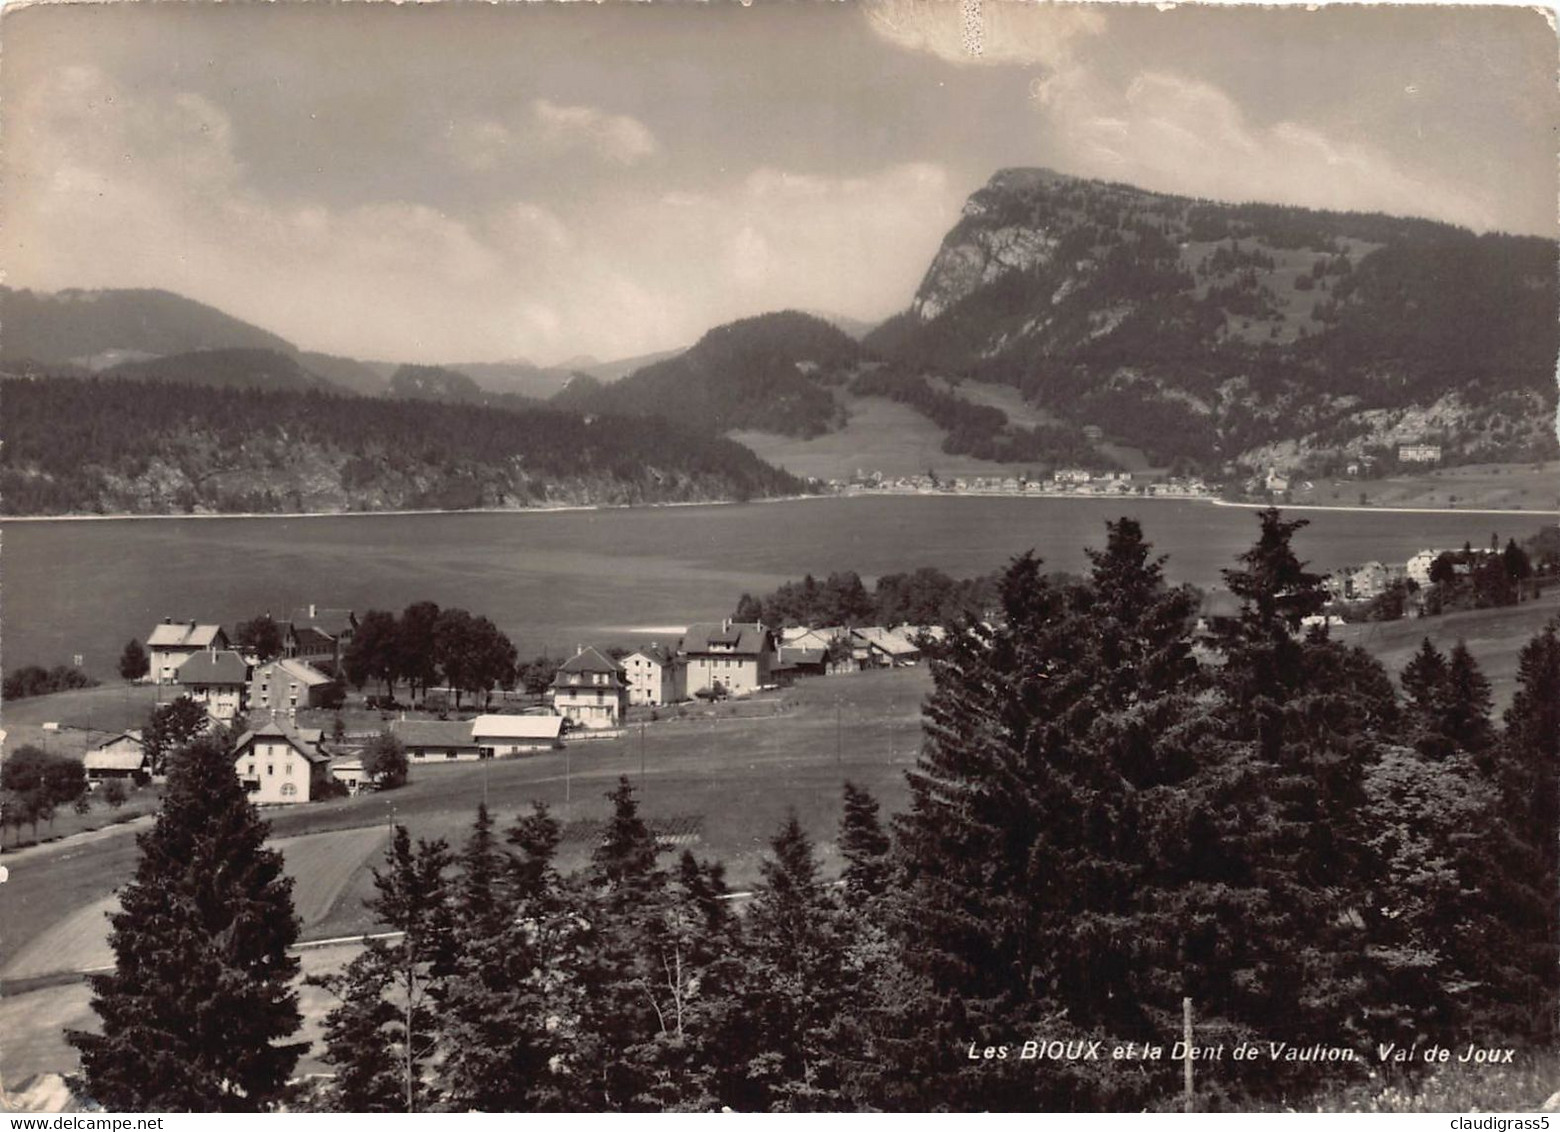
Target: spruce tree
{"points": [[409, 975], [197, 1010], [796, 982], [864, 846], [1424, 688], [1465, 710]]}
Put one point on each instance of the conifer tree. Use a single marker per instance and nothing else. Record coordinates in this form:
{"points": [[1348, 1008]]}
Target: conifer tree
{"points": [[411, 975], [796, 983], [864, 846], [197, 1010], [1424, 687], [1465, 711]]}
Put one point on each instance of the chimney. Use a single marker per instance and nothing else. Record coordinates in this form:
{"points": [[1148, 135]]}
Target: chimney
{"points": [[579, 650], [311, 611], [167, 620], [725, 626]]}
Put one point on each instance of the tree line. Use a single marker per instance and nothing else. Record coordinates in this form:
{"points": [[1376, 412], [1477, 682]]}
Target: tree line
{"points": [[426, 646], [1110, 813], [105, 445], [924, 596]]}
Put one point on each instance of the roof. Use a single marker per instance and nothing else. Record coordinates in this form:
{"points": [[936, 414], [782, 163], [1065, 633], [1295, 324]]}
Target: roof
{"points": [[305, 674], [790, 656], [727, 639], [184, 634], [517, 726], [305, 740], [889, 640], [214, 666], [114, 760], [589, 660], [333, 622], [434, 733], [658, 653]]}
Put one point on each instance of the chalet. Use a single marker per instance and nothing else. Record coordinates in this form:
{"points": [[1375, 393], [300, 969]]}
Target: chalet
{"points": [[123, 756], [286, 685], [218, 680], [435, 740], [319, 636], [883, 648], [281, 764], [1362, 583], [791, 663], [497, 735], [170, 644], [801, 637], [590, 690], [656, 676], [739, 657]]}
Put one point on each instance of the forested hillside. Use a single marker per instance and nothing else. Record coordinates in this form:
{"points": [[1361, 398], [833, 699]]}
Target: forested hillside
{"points": [[79, 327], [223, 369], [773, 372], [1255, 332], [95, 445]]}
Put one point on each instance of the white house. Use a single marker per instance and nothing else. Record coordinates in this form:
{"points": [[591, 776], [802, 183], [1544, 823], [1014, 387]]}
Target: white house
{"points": [[656, 676], [1418, 567], [280, 764], [218, 680], [435, 740], [170, 644], [591, 690], [497, 735], [739, 657]]}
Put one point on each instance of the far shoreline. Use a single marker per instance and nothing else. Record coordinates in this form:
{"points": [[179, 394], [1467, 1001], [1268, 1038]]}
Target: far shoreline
{"points": [[868, 494]]}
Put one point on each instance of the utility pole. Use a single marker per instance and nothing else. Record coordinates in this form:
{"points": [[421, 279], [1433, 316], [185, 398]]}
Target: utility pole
{"points": [[641, 751], [839, 734]]}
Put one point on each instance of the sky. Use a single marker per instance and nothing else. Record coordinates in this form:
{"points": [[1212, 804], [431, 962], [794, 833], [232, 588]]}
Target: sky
{"points": [[449, 182]]}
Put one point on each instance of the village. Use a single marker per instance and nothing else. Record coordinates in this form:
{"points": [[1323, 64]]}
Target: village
{"points": [[274, 706], [291, 746]]}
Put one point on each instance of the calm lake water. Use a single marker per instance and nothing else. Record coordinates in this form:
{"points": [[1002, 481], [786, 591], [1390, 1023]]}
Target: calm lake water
{"points": [[555, 579]]}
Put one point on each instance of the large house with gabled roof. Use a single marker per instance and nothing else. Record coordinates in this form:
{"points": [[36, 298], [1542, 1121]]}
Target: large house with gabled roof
{"points": [[280, 764], [656, 676], [590, 690], [319, 636], [170, 644], [730, 656], [218, 680]]}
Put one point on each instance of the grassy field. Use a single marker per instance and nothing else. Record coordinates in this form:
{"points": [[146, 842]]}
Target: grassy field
{"points": [[86, 716], [733, 773], [1522, 487], [882, 436], [1494, 636]]}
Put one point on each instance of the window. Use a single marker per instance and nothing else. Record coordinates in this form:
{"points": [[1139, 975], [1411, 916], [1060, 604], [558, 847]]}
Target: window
{"points": [[270, 768], [251, 770], [289, 790], [289, 766]]}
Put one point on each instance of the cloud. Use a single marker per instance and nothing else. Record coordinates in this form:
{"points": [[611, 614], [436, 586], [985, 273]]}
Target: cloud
{"points": [[1165, 131], [996, 31], [617, 138]]}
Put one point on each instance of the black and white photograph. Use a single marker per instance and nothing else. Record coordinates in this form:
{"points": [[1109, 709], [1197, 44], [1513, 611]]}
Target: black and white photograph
{"points": [[792, 556]]}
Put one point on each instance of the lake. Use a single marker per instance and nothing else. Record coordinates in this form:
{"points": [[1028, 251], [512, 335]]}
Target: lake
{"points": [[555, 579]]}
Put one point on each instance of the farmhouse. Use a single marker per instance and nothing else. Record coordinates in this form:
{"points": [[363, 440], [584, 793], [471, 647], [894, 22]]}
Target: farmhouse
{"points": [[320, 636], [590, 690], [497, 735], [123, 756], [883, 648], [287, 685], [656, 676], [281, 764], [791, 663], [435, 740], [739, 657], [218, 680], [170, 644]]}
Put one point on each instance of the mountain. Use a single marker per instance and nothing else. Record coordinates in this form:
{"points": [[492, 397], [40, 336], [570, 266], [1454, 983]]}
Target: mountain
{"points": [[773, 372], [1247, 333], [345, 373], [622, 367], [101, 445], [223, 369], [78, 328], [434, 383]]}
